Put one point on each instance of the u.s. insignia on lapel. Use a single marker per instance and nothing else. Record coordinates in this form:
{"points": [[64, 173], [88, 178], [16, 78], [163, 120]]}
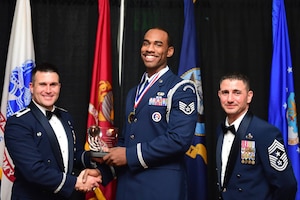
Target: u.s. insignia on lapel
{"points": [[248, 152], [277, 156]]}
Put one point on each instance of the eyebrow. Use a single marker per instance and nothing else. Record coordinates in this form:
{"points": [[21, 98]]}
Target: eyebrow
{"points": [[156, 41]]}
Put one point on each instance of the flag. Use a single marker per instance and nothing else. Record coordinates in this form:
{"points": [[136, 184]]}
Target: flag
{"points": [[101, 110], [196, 156], [16, 94], [282, 106]]}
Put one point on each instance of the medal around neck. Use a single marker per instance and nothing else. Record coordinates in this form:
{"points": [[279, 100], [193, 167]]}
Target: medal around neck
{"points": [[131, 117], [100, 139]]}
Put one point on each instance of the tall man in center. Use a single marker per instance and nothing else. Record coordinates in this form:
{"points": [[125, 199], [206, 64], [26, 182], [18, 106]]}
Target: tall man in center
{"points": [[161, 114]]}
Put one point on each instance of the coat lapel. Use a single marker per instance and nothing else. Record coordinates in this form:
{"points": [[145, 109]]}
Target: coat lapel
{"points": [[50, 132], [236, 147], [219, 154], [71, 140]]}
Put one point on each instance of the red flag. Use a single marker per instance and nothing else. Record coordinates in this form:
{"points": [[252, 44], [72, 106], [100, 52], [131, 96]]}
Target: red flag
{"points": [[101, 111]]}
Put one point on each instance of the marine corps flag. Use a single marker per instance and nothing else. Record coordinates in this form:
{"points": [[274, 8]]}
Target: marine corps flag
{"points": [[101, 110], [196, 156], [282, 105], [16, 94]]}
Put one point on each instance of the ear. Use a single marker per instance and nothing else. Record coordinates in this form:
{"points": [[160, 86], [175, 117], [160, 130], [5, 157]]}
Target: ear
{"points": [[31, 87], [249, 96], [219, 93], [170, 51]]}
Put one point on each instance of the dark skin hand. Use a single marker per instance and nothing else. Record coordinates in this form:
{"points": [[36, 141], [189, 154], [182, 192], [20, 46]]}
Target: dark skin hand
{"points": [[116, 157]]}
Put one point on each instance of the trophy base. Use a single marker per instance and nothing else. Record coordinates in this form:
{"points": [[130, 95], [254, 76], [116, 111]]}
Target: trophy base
{"points": [[98, 154]]}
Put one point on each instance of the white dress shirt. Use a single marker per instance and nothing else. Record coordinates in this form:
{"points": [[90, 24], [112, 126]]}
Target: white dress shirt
{"points": [[227, 144]]}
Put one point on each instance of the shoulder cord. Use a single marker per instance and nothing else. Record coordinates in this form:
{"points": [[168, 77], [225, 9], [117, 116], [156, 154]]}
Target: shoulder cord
{"points": [[172, 91]]}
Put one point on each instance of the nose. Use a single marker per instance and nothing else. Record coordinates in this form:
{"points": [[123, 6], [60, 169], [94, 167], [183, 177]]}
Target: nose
{"points": [[150, 48], [48, 88], [230, 97]]}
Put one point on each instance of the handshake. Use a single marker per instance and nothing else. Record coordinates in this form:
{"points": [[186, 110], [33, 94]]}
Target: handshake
{"points": [[88, 179]]}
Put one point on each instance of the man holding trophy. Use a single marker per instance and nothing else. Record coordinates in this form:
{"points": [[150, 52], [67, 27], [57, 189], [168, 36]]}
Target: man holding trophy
{"points": [[161, 115]]}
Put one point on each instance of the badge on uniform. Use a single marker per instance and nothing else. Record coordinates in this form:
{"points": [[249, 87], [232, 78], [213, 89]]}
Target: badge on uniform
{"points": [[248, 152], [187, 108], [158, 101], [156, 117], [277, 156]]}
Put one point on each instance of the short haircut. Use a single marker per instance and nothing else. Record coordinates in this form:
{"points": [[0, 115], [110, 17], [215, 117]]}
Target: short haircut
{"points": [[169, 39], [43, 67], [237, 76]]}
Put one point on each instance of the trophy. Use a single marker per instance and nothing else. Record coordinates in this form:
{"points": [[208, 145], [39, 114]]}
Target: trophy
{"points": [[100, 139]]}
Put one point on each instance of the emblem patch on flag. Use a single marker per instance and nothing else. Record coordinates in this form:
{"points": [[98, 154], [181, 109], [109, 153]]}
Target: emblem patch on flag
{"points": [[277, 156], [20, 78], [187, 108]]}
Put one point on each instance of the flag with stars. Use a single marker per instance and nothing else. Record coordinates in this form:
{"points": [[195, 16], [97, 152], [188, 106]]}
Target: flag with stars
{"points": [[196, 156], [282, 106]]}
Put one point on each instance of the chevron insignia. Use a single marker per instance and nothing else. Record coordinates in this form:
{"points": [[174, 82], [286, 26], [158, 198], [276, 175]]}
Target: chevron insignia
{"points": [[187, 109], [278, 157]]}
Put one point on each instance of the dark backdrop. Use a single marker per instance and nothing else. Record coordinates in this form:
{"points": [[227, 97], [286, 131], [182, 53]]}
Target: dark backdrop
{"points": [[233, 35]]}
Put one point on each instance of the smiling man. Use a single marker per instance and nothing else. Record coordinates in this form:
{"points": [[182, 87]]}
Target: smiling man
{"points": [[252, 162], [160, 119], [42, 144]]}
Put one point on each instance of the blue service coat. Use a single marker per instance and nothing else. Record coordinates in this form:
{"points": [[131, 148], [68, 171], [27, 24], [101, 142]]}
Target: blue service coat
{"points": [[34, 149], [154, 148], [264, 178]]}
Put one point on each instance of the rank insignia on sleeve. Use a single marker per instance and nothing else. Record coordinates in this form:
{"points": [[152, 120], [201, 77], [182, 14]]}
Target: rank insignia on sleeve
{"points": [[187, 108], [277, 156]]}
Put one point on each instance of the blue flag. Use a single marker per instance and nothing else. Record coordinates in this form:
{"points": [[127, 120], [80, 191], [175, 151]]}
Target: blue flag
{"points": [[196, 156], [282, 106]]}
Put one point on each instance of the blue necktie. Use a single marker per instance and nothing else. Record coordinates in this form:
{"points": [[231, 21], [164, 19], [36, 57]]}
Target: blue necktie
{"points": [[143, 86]]}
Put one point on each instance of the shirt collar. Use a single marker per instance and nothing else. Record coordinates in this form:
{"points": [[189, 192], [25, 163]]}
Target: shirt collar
{"points": [[43, 109], [237, 122]]}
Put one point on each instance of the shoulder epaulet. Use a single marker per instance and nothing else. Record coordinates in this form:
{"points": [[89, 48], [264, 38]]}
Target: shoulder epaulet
{"points": [[22, 112], [61, 109]]}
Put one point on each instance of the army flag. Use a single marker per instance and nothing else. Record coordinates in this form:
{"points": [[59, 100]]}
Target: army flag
{"points": [[101, 111], [282, 106], [16, 94], [196, 156]]}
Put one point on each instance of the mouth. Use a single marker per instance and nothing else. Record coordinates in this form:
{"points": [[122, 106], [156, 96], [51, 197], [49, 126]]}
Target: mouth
{"points": [[149, 58], [230, 107], [48, 97]]}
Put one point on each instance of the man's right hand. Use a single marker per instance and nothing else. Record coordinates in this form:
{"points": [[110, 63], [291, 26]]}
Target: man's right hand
{"points": [[88, 179]]}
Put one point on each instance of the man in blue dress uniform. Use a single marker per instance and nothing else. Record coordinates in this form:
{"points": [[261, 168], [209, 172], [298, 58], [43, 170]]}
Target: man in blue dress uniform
{"points": [[42, 144], [252, 162], [161, 114]]}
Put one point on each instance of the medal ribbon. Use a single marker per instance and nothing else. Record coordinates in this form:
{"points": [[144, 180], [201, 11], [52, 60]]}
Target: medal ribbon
{"points": [[138, 97]]}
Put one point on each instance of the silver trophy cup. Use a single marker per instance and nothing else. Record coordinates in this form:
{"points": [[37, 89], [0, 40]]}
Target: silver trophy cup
{"points": [[100, 139]]}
